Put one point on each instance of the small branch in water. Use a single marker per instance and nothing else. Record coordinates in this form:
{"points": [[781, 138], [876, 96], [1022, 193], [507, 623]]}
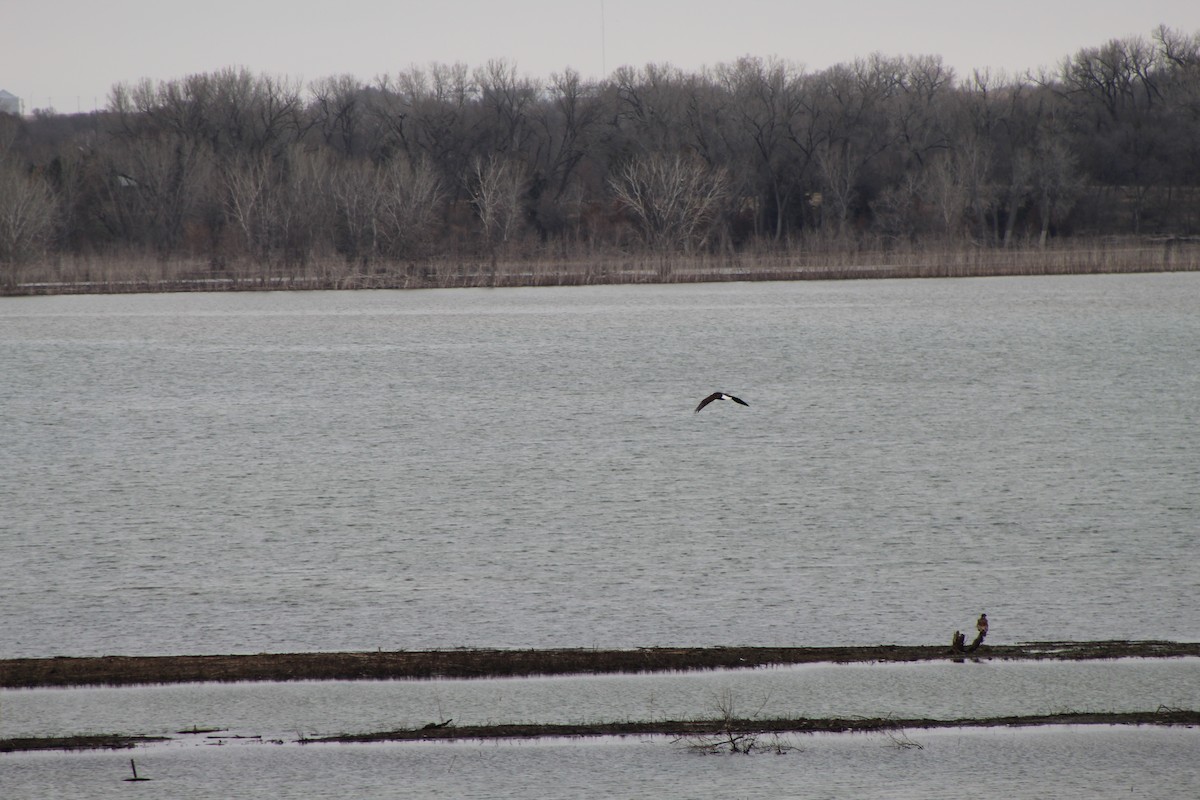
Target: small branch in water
{"points": [[899, 739], [135, 777]]}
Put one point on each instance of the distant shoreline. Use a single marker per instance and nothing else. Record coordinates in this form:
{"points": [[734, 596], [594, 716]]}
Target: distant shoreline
{"points": [[141, 274], [20, 673]]}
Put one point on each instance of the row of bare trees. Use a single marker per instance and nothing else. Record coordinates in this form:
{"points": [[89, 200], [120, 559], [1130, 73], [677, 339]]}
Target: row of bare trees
{"points": [[450, 162]]}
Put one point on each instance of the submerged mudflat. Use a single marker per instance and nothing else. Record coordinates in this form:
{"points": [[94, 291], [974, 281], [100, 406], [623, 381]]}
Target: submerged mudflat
{"points": [[473, 663], [724, 731], [725, 727], [709, 733]]}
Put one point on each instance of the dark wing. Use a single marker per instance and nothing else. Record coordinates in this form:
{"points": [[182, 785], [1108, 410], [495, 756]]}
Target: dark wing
{"points": [[707, 400], [738, 400]]}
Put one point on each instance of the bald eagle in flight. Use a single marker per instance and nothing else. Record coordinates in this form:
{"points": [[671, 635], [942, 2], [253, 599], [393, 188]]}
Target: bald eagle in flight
{"points": [[720, 396]]}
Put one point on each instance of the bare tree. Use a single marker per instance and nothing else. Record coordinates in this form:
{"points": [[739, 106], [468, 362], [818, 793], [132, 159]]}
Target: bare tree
{"points": [[27, 212], [767, 101], [986, 119], [431, 116], [839, 165], [854, 133], [566, 123], [946, 193], [235, 164], [1056, 184], [674, 200], [409, 208], [496, 185], [507, 100], [919, 110], [303, 208], [652, 107], [337, 112], [156, 184], [357, 194], [280, 207], [248, 195], [1116, 95], [898, 208], [254, 114]]}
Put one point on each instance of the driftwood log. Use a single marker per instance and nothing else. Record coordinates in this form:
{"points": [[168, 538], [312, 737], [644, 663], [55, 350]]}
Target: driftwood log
{"points": [[958, 643]]}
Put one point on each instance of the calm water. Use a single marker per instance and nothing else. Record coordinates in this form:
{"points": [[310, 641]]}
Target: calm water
{"points": [[521, 468], [265, 472], [289, 711], [1100, 762]]}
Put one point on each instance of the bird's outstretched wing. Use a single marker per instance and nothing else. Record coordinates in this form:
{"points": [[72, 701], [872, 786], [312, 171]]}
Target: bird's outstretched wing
{"points": [[720, 396]]}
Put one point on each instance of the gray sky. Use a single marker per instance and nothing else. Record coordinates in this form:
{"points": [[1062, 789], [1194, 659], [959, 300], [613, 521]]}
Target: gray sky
{"points": [[69, 53]]}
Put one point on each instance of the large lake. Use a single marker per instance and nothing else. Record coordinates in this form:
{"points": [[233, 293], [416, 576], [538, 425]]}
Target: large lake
{"points": [[212, 473]]}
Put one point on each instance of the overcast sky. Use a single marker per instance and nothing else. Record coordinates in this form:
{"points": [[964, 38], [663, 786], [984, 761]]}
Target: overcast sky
{"points": [[68, 53]]}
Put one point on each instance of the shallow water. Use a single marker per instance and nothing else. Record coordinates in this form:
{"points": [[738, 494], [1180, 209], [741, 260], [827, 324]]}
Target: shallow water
{"points": [[1094, 762], [290, 711]]}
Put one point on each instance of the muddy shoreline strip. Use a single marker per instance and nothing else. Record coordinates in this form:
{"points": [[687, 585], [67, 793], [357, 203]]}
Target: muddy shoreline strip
{"points": [[98, 741], [704, 728], [469, 663], [688, 730]]}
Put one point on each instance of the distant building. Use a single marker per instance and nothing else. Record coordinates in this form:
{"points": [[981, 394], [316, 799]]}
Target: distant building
{"points": [[9, 103]]}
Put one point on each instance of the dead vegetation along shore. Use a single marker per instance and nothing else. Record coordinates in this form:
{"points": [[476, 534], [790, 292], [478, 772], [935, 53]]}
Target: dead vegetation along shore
{"points": [[469, 663], [683, 729], [141, 274]]}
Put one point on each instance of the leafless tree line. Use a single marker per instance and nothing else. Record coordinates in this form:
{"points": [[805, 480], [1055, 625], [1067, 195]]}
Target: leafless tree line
{"points": [[448, 162]]}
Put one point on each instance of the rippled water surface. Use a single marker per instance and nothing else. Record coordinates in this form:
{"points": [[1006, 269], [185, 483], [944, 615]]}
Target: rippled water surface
{"points": [[291, 711], [1101, 762], [207, 473]]}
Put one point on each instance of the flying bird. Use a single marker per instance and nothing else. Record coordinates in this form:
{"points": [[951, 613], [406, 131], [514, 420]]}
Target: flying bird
{"points": [[719, 396]]}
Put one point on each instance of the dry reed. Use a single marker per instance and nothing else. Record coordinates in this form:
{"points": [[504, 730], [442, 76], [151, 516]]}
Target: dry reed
{"points": [[105, 275]]}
